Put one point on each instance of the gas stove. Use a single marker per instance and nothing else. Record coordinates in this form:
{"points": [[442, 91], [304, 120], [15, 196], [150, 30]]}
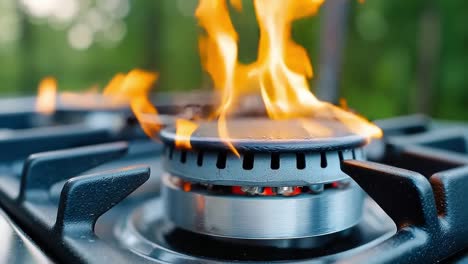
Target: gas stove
{"points": [[72, 191]]}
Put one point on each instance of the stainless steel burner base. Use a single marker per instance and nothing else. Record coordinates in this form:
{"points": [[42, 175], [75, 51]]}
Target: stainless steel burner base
{"points": [[254, 217], [141, 228]]}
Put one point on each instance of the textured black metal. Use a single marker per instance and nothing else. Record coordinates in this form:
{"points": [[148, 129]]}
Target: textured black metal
{"points": [[404, 195], [84, 199], [17, 120], [65, 228], [450, 192], [425, 196], [425, 235], [69, 237], [429, 152], [428, 204], [42, 170], [21, 143], [405, 125]]}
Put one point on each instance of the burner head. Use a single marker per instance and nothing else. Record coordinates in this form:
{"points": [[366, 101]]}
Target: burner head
{"points": [[286, 184], [272, 153], [254, 217]]}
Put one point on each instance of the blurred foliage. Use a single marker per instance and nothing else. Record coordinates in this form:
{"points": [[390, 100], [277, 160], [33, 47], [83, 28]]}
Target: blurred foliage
{"points": [[400, 57]]}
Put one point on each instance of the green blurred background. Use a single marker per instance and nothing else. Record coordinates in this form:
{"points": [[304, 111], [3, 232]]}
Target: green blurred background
{"points": [[400, 56]]}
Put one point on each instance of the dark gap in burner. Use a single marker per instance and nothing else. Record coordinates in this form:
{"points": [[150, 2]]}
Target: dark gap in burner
{"points": [[171, 153], [183, 156], [262, 251], [221, 162], [300, 161], [200, 159], [340, 155], [248, 162], [354, 153], [323, 160], [275, 161]]}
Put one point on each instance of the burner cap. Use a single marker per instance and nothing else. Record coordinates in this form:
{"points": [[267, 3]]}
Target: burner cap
{"points": [[272, 153], [266, 135]]}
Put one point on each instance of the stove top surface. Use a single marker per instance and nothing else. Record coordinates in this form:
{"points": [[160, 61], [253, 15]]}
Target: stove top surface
{"points": [[74, 192]]}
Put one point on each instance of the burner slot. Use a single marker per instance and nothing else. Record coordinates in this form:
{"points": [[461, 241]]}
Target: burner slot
{"points": [[340, 156], [248, 162], [200, 159], [221, 161], [300, 161], [260, 169], [183, 156], [275, 161], [323, 160]]}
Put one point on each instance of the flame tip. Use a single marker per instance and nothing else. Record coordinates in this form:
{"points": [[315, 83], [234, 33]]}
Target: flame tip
{"points": [[282, 69], [47, 96], [279, 75]]}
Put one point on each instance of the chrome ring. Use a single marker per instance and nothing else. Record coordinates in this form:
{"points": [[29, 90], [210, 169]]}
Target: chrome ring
{"points": [[255, 217]]}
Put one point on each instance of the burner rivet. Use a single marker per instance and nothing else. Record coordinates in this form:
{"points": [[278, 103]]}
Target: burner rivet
{"points": [[316, 188]]}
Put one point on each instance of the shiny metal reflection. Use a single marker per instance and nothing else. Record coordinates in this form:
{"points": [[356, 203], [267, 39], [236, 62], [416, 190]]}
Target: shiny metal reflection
{"points": [[255, 217]]}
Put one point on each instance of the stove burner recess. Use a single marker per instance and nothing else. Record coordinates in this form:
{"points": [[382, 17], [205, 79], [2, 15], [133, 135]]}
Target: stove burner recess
{"points": [[286, 184]]}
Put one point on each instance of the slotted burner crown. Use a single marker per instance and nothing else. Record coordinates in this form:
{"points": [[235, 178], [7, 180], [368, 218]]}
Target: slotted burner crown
{"points": [[272, 153]]}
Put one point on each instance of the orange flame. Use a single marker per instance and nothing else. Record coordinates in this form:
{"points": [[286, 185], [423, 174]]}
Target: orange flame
{"points": [[124, 89], [219, 57], [47, 96], [280, 73], [133, 88], [184, 129]]}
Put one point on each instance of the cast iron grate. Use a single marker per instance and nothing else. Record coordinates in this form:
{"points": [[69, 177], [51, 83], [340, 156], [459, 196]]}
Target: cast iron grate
{"points": [[424, 195]]}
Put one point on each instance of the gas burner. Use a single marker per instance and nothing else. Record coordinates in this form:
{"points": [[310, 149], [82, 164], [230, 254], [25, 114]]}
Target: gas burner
{"points": [[286, 184], [68, 197], [272, 154]]}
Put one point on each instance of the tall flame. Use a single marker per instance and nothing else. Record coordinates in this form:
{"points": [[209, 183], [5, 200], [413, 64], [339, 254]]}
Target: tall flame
{"points": [[185, 128], [280, 73], [283, 66], [134, 88], [124, 89], [219, 57], [47, 96]]}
